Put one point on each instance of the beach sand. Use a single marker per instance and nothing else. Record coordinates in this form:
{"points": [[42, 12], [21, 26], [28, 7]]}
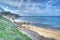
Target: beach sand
{"points": [[33, 35], [52, 34]]}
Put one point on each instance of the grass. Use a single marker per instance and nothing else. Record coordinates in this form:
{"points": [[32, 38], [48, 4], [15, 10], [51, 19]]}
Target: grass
{"points": [[9, 31]]}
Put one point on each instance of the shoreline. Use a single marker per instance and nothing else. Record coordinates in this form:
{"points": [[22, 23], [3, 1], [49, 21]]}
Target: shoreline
{"points": [[49, 33], [48, 28], [33, 35], [46, 32]]}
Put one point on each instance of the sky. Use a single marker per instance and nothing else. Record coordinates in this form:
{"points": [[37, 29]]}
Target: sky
{"points": [[32, 7]]}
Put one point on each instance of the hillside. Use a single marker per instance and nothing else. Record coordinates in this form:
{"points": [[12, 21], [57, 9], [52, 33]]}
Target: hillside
{"points": [[9, 31]]}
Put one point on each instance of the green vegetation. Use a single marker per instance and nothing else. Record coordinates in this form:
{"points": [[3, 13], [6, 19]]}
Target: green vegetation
{"points": [[9, 31]]}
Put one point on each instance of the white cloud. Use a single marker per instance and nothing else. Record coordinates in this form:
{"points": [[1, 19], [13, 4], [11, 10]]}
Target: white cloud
{"points": [[29, 7]]}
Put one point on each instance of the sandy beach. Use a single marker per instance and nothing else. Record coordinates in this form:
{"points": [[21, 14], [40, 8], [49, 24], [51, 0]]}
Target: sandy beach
{"points": [[33, 35], [47, 33]]}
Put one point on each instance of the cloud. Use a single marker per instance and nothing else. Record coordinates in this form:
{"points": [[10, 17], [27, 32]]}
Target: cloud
{"points": [[30, 7]]}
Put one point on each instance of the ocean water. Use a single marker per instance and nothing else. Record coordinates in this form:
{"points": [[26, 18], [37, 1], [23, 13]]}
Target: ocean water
{"points": [[42, 21]]}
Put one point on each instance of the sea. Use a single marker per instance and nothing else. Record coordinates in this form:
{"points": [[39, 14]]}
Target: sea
{"points": [[41, 21]]}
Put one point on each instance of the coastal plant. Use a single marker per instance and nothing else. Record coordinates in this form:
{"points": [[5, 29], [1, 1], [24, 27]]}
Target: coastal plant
{"points": [[9, 31]]}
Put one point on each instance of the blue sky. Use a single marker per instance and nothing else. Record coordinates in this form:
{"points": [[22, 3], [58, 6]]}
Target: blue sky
{"points": [[32, 7]]}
